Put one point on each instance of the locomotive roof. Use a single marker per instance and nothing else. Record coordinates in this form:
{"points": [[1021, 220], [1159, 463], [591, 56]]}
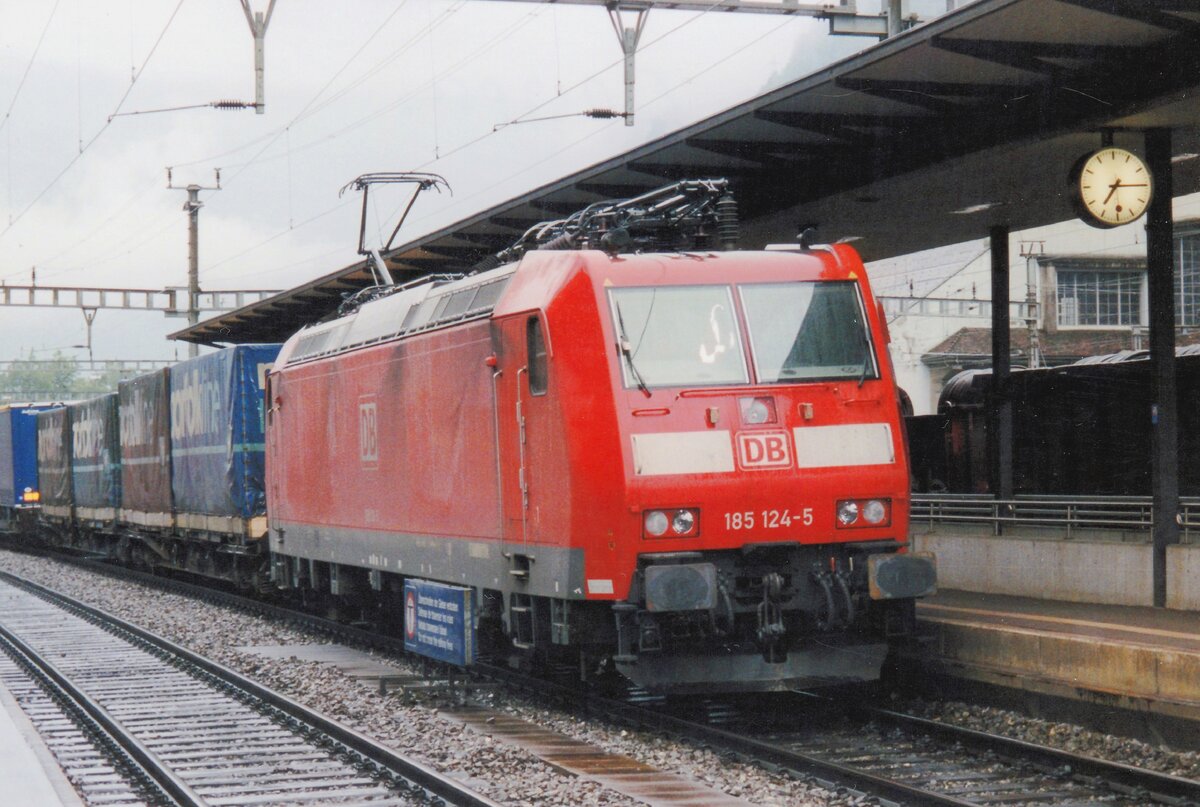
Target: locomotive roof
{"points": [[418, 306], [409, 309]]}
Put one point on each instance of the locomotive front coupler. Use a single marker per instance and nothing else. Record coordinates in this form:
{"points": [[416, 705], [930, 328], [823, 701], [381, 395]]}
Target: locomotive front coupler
{"points": [[771, 630]]}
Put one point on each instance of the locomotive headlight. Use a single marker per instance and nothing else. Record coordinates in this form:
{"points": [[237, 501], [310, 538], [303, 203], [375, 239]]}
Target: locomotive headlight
{"points": [[874, 512], [680, 523], [683, 522], [757, 410], [655, 523], [861, 513]]}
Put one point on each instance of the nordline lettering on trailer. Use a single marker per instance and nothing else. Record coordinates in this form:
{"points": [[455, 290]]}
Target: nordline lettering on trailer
{"points": [[135, 426], [195, 406], [87, 435]]}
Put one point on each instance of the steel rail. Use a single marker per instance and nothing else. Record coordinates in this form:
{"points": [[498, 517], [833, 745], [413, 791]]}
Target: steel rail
{"points": [[381, 760], [1121, 777], [829, 774], [138, 761]]}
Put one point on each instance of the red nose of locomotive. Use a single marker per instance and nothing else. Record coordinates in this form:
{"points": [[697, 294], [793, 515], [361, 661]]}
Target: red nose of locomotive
{"points": [[766, 480], [816, 465]]}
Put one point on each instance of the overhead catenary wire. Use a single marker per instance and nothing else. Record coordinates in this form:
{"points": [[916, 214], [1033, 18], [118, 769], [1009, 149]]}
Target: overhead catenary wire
{"points": [[82, 151], [279, 133], [311, 106], [28, 67], [226, 104], [497, 38], [103, 225], [412, 94], [544, 157], [13, 102], [586, 79], [651, 43], [280, 234], [271, 137], [602, 114]]}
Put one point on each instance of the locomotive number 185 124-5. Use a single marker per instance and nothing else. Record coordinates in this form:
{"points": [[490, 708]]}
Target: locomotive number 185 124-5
{"points": [[768, 519]]}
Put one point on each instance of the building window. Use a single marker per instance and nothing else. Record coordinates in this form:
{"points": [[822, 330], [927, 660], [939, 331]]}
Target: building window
{"points": [[1187, 279], [1099, 299]]}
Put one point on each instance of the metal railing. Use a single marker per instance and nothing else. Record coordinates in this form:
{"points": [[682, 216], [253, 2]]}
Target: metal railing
{"points": [[896, 307], [1065, 515]]}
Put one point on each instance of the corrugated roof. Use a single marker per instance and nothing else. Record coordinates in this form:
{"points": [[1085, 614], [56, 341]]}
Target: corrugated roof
{"points": [[1058, 347]]}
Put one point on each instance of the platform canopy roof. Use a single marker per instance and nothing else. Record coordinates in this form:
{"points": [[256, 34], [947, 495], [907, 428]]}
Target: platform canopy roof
{"points": [[928, 138]]}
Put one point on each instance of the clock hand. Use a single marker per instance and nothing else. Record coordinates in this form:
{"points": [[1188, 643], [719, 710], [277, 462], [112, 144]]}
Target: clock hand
{"points": [[1119, 185]]}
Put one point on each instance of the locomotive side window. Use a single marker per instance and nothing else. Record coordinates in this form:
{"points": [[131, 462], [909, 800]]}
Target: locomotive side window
{"points": [[535, 344], [808, 331], [678, 336]]}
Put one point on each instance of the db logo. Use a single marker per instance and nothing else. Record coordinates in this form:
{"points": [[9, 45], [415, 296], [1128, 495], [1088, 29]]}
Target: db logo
{"points": [[410, 615], [368, 434], [764, 450]]}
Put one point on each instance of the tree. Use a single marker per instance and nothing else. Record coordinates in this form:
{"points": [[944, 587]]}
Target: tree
{"points": [[39, 379]]}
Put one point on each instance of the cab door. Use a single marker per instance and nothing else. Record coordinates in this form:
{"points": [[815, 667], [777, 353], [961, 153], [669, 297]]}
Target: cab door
{"points": [[521, 400]]}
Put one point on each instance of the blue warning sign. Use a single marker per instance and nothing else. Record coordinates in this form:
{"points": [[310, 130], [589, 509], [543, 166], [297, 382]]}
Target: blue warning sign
{"points": [[438, 621]]}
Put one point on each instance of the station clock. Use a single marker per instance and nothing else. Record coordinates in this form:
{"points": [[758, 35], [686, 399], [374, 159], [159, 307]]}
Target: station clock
{"points": [[1112, 187]]}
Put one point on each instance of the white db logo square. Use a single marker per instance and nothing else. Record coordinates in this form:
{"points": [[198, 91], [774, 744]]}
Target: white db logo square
{"points": [[368, 434], [764, 450]]}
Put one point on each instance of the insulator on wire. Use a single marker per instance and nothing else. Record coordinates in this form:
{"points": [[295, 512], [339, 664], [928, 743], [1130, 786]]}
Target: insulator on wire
{"points": [[603, 113], [230, 104], [728, 230]]}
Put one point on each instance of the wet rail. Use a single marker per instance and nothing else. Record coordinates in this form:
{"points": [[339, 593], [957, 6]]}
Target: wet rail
{"points": [[895, 758], [911, 760], [200, 733]]}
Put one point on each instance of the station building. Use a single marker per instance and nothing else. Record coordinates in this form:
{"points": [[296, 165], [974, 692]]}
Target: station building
{"points": [[1090, 289]]}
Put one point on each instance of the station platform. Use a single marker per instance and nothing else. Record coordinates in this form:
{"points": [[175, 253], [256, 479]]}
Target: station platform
{"points": [[1133, 660], [28, 771]]}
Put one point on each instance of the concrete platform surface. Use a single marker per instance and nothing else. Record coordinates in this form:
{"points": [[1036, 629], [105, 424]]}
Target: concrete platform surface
{"points": [[28, 771], [1145, 659]]}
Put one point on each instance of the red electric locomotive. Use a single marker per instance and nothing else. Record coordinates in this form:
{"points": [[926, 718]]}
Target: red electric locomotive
{"points": [[687, 463]]}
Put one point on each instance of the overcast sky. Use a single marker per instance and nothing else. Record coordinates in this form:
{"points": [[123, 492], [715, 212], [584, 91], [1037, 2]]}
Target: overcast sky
{"points": [[351, 87]]}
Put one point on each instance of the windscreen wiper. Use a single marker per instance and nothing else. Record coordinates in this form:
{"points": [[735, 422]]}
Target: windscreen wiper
{"points": [[626, 351], [866, 346]]}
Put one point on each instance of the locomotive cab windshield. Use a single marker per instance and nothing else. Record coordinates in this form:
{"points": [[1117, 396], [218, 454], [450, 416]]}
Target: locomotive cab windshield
{"points": [[686, 336]]}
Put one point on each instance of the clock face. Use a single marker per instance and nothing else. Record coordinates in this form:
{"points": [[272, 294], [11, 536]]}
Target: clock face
{"points": [[1114, 187]]}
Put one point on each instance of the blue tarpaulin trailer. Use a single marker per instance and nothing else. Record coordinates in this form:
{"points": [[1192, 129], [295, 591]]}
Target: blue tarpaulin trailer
{"points": [[217, 457], [18, 455]]}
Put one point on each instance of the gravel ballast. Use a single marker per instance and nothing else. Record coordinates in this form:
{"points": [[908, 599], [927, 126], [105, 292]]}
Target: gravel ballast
{"points": [[503, 772], [506, 773]]}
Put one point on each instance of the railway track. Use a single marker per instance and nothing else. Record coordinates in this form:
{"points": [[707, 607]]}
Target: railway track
{"points": [[175, 728], [891, 757], [913, 761]]}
